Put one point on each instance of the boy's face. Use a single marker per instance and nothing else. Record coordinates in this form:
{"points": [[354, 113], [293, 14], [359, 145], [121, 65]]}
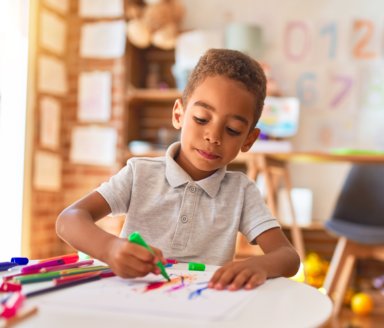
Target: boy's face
{"points": [[215, 125]]}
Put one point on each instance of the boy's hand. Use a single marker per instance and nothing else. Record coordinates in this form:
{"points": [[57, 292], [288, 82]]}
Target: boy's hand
{"points": [[129, 260], [246, 274]]}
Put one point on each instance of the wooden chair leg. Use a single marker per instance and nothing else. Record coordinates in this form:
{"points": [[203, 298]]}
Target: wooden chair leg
{"points": [[343, 282], [339, 273], [271, 193], [297, 234], [335, 266]]}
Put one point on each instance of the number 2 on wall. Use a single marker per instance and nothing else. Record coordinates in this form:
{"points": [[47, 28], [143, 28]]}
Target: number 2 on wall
{"points": [[364, 30]]}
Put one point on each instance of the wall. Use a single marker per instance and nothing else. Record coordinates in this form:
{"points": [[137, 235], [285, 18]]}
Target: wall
{"points": [[54, 181], [330, 70]]}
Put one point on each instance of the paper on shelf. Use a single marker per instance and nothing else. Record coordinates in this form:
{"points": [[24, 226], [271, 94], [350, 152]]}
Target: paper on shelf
{"points": [[101, 8], [52, 32], [93, 145], [103, 40], [47, 172], [95, 96], [50, 123], [52, 76]]}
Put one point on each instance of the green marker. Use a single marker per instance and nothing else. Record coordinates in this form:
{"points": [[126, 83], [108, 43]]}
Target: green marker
{"points": [[136, 238]]}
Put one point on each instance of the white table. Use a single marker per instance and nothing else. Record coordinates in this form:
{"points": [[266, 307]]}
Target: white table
{"points": [[278, 303]]}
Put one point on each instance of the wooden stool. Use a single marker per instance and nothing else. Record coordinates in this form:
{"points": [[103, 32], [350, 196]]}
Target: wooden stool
{"points": [[341, 268], [275, 173]]}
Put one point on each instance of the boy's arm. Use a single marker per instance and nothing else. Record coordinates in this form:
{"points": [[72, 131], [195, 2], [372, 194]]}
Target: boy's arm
{"points": [[76, 225], [279, 259]]}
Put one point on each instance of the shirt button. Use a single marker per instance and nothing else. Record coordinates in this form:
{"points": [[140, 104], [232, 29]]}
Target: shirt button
{"points": [[184, 219], [192, 189]]}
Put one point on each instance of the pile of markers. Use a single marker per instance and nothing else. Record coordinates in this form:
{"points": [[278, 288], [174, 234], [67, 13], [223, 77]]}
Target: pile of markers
{"points": [[62, 271]]}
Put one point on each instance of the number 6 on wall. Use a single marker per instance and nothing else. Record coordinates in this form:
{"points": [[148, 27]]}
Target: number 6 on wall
{"points": [[306, 88]]}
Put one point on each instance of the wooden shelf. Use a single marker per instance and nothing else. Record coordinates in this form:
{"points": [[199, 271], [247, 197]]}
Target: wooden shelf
{"points": [[153, 94]]}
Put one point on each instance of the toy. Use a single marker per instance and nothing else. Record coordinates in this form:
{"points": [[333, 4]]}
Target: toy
{"points": [[154, 22]]}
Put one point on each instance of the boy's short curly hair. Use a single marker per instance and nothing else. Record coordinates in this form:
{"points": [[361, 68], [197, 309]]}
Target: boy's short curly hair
{"points": [[234, 65]]}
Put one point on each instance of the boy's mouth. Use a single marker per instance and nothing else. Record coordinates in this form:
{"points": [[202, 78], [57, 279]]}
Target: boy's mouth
{"points": [[208, 155]]}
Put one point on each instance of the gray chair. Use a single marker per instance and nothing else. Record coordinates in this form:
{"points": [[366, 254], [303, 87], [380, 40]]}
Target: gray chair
{"points": [[358, 221]]}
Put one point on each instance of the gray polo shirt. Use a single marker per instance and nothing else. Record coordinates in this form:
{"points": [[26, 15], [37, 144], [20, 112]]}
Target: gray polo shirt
{"points": [[188, 220]]}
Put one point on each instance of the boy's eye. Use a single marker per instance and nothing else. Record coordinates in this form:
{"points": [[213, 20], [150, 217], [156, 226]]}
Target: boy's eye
{"points": [[233, 132], [200, 120]]}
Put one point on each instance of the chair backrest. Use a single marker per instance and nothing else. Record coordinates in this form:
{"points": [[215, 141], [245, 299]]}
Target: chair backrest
{"points": [[361, 200]]}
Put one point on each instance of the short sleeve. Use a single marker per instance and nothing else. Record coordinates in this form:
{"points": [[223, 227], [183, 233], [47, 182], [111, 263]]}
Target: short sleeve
{"points": [[117, 190], [256, 217]]}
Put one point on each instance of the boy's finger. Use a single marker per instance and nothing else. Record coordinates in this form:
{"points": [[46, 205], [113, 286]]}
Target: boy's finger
{"points": [[225, 279], [134, 264], [254, 281], [215, 278], [140, 252], [239, 280], [158, 254]]}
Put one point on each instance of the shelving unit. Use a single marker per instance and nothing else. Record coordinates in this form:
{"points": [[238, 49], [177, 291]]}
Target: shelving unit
{"points": [[150, 94]]}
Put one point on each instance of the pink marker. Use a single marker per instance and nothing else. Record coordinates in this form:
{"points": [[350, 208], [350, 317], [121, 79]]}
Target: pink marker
{"points": [[35, 268], [66, 266]]}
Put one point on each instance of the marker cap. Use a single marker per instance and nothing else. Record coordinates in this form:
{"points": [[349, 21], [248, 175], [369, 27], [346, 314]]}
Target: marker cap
{"points": [[194, 266], [20, 260]]}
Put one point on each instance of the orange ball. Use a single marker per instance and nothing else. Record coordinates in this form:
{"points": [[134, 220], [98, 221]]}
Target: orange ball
{"points": [[362, 304]]}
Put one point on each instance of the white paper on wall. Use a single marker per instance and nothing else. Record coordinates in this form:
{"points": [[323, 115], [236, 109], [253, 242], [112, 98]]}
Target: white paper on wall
{"points": [[52, 32], [93, 145], [47, 172], [52, 76], [103, 40], [94, 97], [61, 6], [50, 123], [101, 8]]}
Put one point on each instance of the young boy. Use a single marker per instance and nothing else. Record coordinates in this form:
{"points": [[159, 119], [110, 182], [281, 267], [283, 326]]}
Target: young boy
{"points": [[186, 203]]}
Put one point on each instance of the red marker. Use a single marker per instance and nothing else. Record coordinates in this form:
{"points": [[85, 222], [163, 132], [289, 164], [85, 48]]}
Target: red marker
{"points": [[12, 305], [69, 258]]}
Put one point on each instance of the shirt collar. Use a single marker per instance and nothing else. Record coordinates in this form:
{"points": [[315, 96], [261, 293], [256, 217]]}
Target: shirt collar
{"points": [[176, 176]]}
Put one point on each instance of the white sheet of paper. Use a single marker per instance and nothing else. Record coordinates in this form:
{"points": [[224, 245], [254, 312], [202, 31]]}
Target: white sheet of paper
{"points": [[94, 97], [60, 5], [173, 299], [103, 40], [93, 145], [47, 173], [50, 123], [52, 76], [101, 8], [52, 32]]}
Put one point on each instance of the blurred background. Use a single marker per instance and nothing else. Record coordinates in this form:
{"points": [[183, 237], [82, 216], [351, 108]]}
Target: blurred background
{"points": [[86, 84]]}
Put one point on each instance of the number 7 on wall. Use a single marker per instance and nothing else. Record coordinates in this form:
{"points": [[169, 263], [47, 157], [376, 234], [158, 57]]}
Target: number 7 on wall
{"points": [[346, 83]]}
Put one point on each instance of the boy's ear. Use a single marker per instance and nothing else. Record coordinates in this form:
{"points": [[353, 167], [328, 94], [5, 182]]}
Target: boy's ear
{"points": [[177, 114], [251, 138]]}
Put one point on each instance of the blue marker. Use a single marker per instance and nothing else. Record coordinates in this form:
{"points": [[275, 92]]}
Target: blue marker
{"points": [[4, 266], [20, 260]]}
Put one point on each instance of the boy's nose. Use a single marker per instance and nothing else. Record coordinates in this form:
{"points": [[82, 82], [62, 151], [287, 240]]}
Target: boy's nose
{"points": [[213, 136]]}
